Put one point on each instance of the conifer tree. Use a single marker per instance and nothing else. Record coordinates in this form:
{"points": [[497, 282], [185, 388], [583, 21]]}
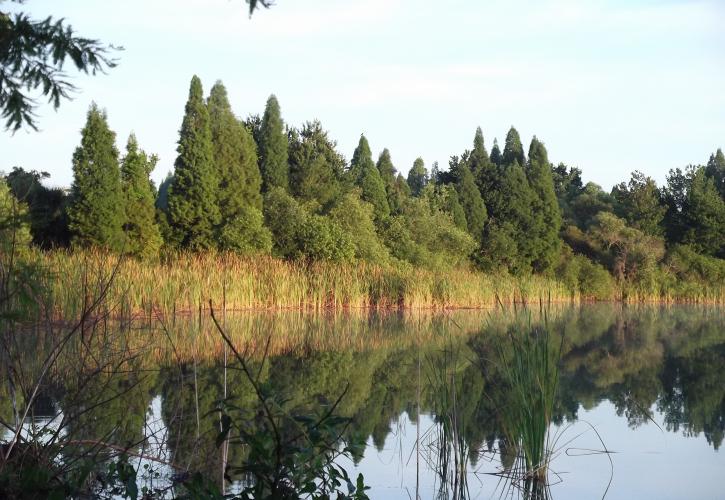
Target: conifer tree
{"points": [[239, 196], [417, 177], [193, 208], [716, 171], [316, 168], [495, 154], [96, 214], [366, 175], [705, 216], [513, 149], [472, 203], [143, 238], [478, 161], [507, 240], [546, 213], [273, 148], [387, 169]]}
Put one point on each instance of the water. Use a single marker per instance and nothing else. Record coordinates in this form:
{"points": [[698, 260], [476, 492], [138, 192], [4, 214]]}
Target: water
{"points": [[639, 412]]}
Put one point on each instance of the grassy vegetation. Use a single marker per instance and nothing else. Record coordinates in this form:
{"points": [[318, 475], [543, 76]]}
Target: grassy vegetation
{"points": [[186, 282]]}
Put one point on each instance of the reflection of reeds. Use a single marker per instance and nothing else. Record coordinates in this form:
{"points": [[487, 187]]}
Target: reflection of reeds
{"points": [[446, 440], [531, 372]]}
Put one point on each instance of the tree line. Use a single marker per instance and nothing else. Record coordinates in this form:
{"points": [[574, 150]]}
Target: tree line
{"points": [[261, 186]]}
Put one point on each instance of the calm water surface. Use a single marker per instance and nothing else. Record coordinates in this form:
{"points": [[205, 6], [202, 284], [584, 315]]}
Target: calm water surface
{"points": [[639, 413]]}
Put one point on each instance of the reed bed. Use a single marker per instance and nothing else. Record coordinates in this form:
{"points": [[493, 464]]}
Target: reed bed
{"points": [[185, 283]]}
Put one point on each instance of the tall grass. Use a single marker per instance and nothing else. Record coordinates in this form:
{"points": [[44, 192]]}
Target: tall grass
{"points": [[186, 282]]}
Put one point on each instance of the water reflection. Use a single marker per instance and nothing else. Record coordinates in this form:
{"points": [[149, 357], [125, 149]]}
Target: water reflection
{"points": [[436, 376]]}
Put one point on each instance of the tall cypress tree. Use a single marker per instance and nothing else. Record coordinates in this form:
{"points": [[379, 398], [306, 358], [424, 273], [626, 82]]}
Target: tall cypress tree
{"points": [[273, 148], [239, 196], [478, 160], [716, 171], [513, 149], [96, 214], [472, 203], [495, 154], [365, 174], [143, 238], [316, 168], [388, 174], [547, 216], [193, 209], [417, 177]]}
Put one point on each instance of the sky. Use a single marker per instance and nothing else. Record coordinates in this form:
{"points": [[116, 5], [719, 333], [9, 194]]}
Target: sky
{"points": [[608, 86]]}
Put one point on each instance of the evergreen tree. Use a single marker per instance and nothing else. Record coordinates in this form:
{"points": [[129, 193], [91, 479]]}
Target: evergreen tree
{"points": [[478, 161], [716, 171], [366, 175], [472, 203], [451, 205], [96, 214], [399, 193], [417, 177], [546, 213], [640, 203], [143, 238], [513, 149], [193, 208], [387, 169], [705, 216], [507, 240], [316, 168], [496, 154], [273, 148], [240, 201]]}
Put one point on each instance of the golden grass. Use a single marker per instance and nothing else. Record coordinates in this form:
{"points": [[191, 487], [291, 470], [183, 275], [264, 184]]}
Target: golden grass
{"points": [[185, 283]]}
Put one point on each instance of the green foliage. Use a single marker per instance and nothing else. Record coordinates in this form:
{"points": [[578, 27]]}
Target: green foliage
{"points": [[496, 157], [631, 255], [715, 170], [193, 209], [704, 216], [640, 203], [316, 168], [507, 241], [513, 150], [364, 173], [417, 177], [143, 238], [590, 201], [47, 208], [96, 212], [298, 234], [32, 56], [355, 217], [472, 204], [591, 281], [449, 202], [14, 227], [426, 236], [235, 157], [546, 214], [273, 147]]}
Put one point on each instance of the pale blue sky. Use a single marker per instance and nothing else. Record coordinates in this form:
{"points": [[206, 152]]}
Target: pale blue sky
{"points": [[609, 86]]}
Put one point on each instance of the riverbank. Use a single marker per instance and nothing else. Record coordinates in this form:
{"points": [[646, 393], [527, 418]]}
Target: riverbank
{"points": [[186, 283]]}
